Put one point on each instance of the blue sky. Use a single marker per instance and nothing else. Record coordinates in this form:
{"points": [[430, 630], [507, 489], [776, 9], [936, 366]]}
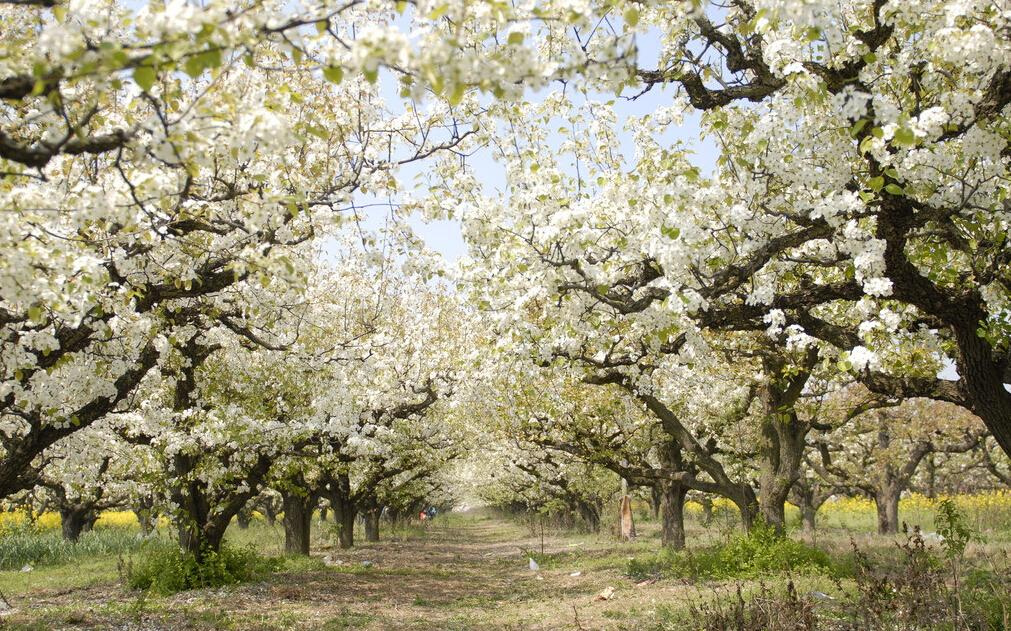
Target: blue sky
{"points": [[445, 236]]}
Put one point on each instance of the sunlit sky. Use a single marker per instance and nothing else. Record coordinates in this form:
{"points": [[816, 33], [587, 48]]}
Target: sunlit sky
{"points": [[445, 236]]}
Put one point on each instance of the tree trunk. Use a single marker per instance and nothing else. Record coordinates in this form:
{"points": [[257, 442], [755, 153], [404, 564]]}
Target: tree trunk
{"points": [[672, 512], [671, 491], [590, 515], [808, 517], [781, 447], [747, 505], [707, 509], [297, 522], [886, 500], [203, 514], [201, 525], [808, 496], [371, 518], [145, 515], [200, 541], [74, 520], [270, 512], [625, 519], [244, 517], [931, 490], [344, 508], [346, 519]]}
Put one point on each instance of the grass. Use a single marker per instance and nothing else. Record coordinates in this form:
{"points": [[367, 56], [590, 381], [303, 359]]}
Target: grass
{"points": [[25, 544], [760, 553], [170, 570], [471, 572], [80, 574]]}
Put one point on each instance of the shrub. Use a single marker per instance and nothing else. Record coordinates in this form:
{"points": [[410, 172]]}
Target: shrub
{"points": [[917, 589], [759, 552], [768, 610], [170, 570]]}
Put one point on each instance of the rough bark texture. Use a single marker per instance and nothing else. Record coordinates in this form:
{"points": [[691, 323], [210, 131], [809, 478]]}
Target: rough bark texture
{"points": [[145, 515], [672, 491], [590, 515], [886, 501], [672, 514], [297, 522], [626, 521], [808, 496], [344, 509], [371, 521], [783, 436], [707, 509], [76, 519], [244, 517]]}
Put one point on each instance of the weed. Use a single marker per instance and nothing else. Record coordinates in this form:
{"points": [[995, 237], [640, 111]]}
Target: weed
{"points": [[25, 543], [758, 553], [167, 571]]}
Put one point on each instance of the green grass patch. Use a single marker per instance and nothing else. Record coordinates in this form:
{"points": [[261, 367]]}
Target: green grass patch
{"points": [[171, 570], [26, 544], [756, 554]]}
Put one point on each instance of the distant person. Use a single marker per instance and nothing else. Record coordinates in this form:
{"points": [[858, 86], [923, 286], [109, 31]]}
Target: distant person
{"points": [[431, 512], [423, 515]]}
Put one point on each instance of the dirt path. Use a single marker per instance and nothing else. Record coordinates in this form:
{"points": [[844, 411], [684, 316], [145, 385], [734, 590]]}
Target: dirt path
{"points": [[465, 574]]}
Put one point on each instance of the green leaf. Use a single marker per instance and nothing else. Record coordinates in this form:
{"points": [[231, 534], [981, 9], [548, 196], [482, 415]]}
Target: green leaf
{"points": [[671, 232], [858, 127], [895, 189], [904, 137], [892, 173], [194, 67], [372, 75], [631, 16], [457, 95], [875, 183], [516, 37], [333, 74], [145, 76], [870, 58], [35, 313]]}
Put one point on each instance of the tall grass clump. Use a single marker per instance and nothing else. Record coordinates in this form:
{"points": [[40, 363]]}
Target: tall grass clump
{"points": [[168, 570], [24, 543], [758, 553], [922, 588]]}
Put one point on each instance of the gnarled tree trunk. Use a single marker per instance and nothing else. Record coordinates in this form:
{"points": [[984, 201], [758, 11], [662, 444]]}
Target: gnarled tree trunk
{"points": [[345, 511], [297, 509], [672, 492], [781, 448], [76, 519], [371, 521]]}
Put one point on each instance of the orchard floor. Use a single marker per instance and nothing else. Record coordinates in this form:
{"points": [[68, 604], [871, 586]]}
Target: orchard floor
{"points": [[461, 572]]}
